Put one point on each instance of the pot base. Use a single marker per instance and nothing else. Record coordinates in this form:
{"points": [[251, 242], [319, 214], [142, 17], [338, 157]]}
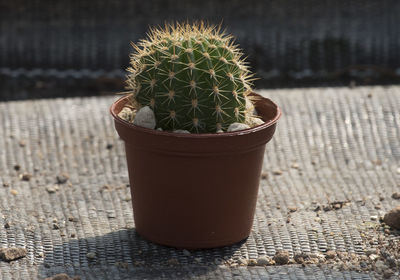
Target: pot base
{"points": [[193, 244]]}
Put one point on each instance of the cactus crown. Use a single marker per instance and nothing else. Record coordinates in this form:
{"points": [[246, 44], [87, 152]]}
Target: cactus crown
{"points": [[192, 76]]}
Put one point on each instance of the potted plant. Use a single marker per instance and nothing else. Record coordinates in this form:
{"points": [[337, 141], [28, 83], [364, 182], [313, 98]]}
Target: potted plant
{"points": [[194, 135]]}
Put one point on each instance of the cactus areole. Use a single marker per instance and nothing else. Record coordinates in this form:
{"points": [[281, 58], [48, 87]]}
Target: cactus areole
{"points": [[192, 76]]}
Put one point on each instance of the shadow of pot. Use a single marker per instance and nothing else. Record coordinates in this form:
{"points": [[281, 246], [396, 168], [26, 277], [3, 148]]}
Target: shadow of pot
{"points": [[195, 190]]}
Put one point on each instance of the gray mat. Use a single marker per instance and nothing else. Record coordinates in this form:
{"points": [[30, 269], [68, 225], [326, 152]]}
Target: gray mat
{"points": [[331, 145]]}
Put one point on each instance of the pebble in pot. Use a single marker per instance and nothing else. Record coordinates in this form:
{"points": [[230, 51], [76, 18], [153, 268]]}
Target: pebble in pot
{"points": [[237, 126], [145, 118]]}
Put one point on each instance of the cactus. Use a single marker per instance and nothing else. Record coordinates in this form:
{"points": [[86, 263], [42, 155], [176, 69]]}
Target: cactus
{"points": [[192, 76]]}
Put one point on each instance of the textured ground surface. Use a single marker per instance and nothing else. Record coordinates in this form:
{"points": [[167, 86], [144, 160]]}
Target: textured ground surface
{"points": [[329, 173]]}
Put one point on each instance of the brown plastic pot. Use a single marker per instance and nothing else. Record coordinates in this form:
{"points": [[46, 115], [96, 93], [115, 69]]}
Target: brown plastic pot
{"points": [[195, 190]]}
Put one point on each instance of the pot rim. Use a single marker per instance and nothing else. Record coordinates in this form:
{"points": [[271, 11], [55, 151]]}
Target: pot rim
{"points": [[196, 135]]}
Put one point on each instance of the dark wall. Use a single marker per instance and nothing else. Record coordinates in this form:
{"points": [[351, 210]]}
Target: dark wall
{"points": [[283, 38]]}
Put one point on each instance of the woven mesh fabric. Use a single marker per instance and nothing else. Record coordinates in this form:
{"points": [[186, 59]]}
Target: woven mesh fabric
{"points": [[282, 38], [344, 142]]}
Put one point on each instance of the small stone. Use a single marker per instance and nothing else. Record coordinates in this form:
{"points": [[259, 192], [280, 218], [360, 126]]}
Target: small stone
{"points": [[14, 192], [374, 218], [62, 178], [281, 257], [294, 165], [25, 176], [72, 219], [388, 273], [91, 255], [242, 261], [373, 257], [11, 254], [127, 114], [292, 209], [392, 218], [52, 189], [277, 172], [21, 143], [252, 262], [378, 207], [264, 260], [56, 226], [73, 235], [396, 195], [145, 118], [380, 266], [330, 255], [6, 225], [172, 261], [219, 131], [109, 146], [181, 131], [363, 264], [300, 258], [337, 206], [264, 176], [186, 253], [40, 255], [253, 121], [237, 126], [17, 167]]}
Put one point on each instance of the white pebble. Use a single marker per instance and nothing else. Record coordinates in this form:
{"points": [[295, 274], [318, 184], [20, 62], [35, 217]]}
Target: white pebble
{"points": [[145, 118], [126, 114], [237, 126], [160, 129], [181, 131], [220, 131], [255, 121]]}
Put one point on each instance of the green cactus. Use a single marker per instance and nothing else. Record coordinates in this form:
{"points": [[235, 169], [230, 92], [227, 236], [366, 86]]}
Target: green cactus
{"points": [[192, 76]]}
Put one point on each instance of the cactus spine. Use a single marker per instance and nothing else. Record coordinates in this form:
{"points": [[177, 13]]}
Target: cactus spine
{"points": [[192, 76]]}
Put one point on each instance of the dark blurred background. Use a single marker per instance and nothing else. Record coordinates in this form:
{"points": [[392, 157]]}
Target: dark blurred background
{"points": [[72, 48]]}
